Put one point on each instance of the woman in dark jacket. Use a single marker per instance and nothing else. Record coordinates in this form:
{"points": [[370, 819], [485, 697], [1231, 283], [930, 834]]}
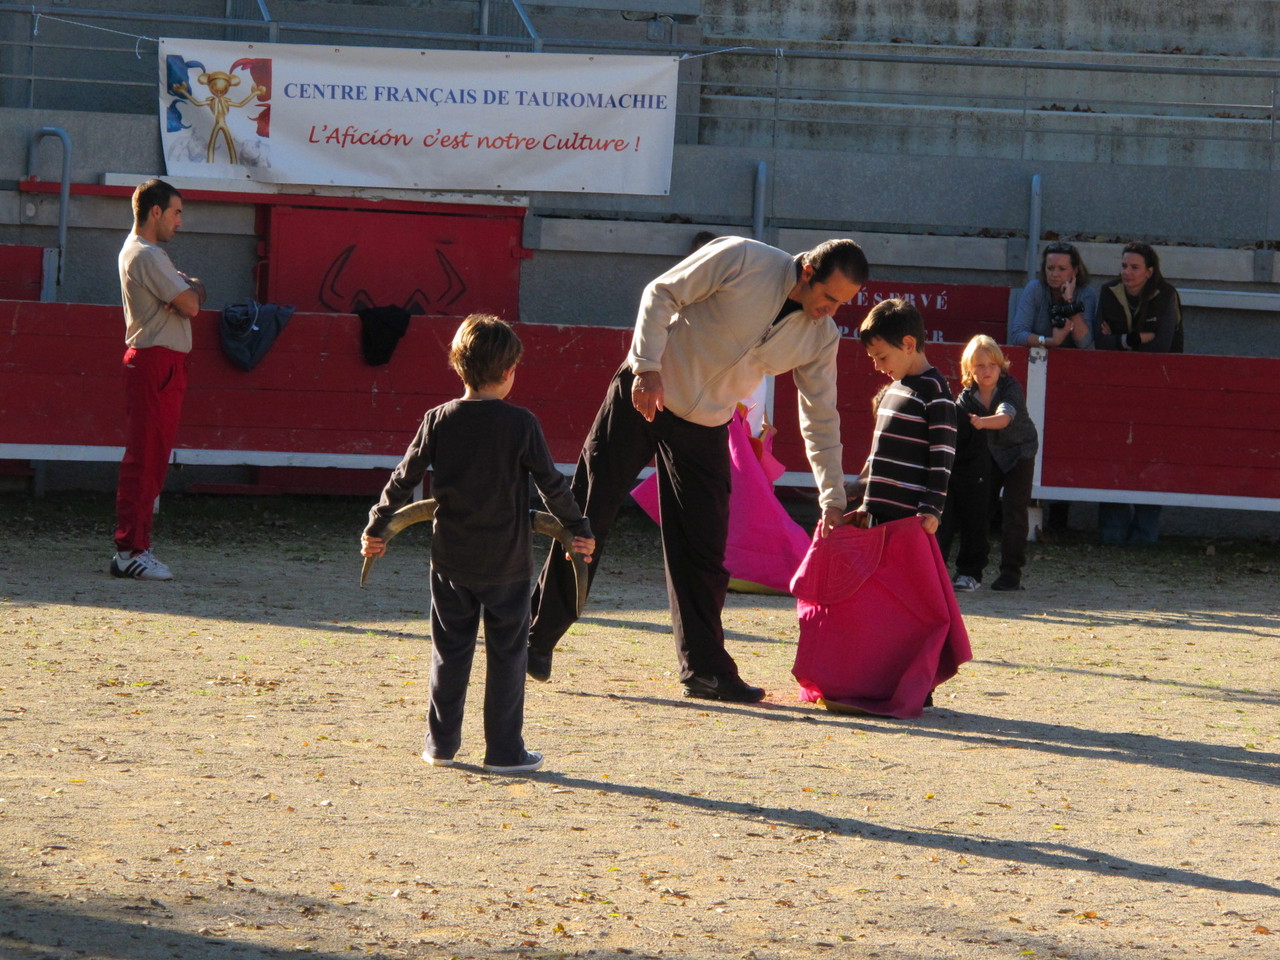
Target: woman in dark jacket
{"points": [[1140, 310]]}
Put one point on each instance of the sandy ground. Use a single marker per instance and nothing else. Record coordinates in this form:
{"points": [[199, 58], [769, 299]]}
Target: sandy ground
{"points": [[227, 765]]}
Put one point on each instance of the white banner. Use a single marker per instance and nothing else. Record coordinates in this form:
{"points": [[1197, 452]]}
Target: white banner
{"points": [[431, 119]]}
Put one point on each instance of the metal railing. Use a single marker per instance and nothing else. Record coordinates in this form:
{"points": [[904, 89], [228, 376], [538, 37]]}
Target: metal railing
{"points": [[46, 52], [498, 16]]}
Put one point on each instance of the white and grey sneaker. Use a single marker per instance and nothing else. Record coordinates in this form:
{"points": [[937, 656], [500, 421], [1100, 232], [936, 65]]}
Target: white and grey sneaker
{"points": [[532, 761], [965, 582], [438, 761], [142, 566]]}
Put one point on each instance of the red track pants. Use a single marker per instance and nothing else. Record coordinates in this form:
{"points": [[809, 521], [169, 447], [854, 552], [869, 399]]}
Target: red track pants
{"points": [[155, 380]]}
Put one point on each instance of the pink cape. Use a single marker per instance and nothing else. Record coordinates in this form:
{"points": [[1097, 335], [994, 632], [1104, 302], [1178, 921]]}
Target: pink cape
{"points": [[879, 622], [765, 545]]}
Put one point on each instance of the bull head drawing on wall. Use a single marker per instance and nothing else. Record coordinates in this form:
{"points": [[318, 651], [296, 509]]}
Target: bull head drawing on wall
{"points": [[416, 303]]}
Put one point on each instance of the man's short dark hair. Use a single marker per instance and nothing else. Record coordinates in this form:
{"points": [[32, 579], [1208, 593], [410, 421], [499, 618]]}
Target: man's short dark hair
{"points": [[891, 321], [483, 350], [152, 193], [843, 255], [701, 239]]}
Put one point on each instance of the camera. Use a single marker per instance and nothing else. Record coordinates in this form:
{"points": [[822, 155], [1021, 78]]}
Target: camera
{"points": [[1060, 313]]}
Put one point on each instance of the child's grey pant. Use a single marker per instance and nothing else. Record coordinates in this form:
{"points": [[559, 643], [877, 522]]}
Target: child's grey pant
{"points": [[456, 611]]}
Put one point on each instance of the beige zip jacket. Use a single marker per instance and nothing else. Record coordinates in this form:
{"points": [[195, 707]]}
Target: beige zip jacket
{"points": [[707, 326]]}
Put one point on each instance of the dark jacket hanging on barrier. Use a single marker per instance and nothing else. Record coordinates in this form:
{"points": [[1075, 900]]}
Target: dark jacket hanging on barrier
{"points": [[249, 329], [380, 330]]}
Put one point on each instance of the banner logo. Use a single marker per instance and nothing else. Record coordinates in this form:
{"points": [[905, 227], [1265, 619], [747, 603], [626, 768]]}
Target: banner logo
{"points": [[215, 111]]}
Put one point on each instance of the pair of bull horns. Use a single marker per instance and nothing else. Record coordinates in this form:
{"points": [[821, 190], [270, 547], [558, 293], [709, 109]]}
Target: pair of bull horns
{"points": [[422, 510]]}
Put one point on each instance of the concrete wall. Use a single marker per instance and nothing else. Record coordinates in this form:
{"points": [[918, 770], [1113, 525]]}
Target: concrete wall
{"points": [[217, 242], [904, 192], [602, 266], [593, 255]]}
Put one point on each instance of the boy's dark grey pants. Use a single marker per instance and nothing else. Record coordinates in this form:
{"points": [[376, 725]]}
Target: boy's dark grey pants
{"points": [[456, 612]]}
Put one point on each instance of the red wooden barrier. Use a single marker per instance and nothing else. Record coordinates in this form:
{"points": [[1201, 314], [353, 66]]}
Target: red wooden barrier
{"points": [[337, 261], [312, 401], [1202, 429], [952, 312], [21, 272], [1161, 427]]}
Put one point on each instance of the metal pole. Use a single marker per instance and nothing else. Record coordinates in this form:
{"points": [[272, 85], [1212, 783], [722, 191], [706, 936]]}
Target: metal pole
{"points": [[1033, 228], [764, 395], [64, 193], [528, 25], [757, 203], [1271, 159]]}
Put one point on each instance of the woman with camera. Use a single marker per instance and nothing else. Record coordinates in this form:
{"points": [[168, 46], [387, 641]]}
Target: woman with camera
{"points": [[1058, 308]]}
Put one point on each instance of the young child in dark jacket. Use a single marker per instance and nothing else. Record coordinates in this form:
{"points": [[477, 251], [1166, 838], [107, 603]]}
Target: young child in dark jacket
{"points": [[482, 451], [995, 455]]}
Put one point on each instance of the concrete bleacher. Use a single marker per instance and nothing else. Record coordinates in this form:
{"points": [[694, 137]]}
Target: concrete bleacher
{"points": [[1124, 108], [1241, 29]]}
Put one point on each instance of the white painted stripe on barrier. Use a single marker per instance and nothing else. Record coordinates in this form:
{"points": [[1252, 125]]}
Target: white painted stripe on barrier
{"points": [[39, 451], [791, 478], [1037, 378], [1161, 499], [231, 458], [270, 458], [226, 458]]}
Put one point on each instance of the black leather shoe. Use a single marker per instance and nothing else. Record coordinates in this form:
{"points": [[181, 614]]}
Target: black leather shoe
{"points": [[539, 667], [1007, 581], [722, 687]]}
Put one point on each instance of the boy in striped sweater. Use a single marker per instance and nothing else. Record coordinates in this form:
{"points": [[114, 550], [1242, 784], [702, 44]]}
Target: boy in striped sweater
{"points": [[915, 437]]}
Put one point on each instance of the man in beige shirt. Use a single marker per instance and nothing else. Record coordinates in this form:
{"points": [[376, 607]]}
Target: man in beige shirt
{"points": [[159, 302], [708, 331]]}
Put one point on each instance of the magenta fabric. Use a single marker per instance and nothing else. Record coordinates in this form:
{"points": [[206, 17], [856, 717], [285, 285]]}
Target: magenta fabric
{"points": [[765, 545], [879, 622]]}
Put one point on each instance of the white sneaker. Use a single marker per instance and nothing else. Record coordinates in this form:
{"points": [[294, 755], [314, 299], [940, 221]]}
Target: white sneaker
{"points": [[532, 761], [965, 582], [438, 761], [143, 566]]}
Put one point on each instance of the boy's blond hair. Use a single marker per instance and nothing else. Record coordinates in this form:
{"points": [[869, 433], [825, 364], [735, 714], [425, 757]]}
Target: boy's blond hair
{"points": [[980, 343], [483, 350]]}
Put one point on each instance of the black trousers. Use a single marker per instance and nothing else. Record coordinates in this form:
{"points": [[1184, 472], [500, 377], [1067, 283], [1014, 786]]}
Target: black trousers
{"points": [[971, 500], [966, 514], [693, 495], [456, 613]]}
